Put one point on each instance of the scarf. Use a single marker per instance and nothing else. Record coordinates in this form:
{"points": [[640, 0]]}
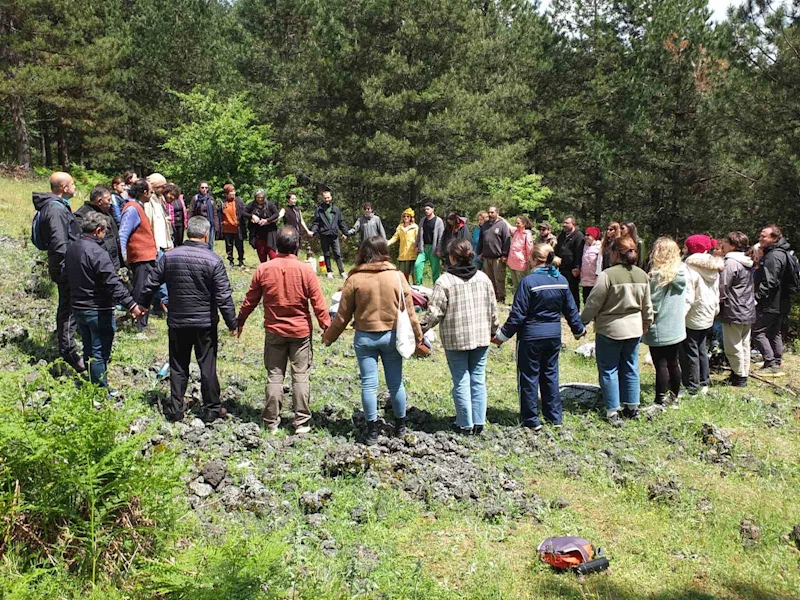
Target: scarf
{"points": [[548, 270], [464, 272]]}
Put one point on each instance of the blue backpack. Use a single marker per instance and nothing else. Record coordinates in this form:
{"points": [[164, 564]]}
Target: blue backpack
{"points": [[36, 235]]}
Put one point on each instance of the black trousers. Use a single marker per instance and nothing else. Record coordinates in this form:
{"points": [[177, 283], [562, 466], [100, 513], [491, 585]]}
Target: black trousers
{"points": [[330, 244], [585, 291], [694, 359], [204, 341], [537, 371], [574, 285], [668, 370], [231, 240], [66, 326], [767, 337], [141, 271], [177, 235]]}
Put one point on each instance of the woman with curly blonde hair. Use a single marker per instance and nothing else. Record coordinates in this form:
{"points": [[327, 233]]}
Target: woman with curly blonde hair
{"points": [[668, 294]]}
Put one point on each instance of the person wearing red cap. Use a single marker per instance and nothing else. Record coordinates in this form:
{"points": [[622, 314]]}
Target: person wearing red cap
{"points": [[591, 255], [702, 303]]}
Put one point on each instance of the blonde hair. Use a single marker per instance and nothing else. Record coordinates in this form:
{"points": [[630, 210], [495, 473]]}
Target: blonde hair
{"points": [[665, 260], [483, 214], [542, 254]]}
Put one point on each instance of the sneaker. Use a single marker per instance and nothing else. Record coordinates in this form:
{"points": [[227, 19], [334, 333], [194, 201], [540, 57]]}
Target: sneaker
{"points": [[230, 264], [342, 275], [330, 275], [271, 429], [630, 412], [614, 419], [537, 426], [302, 430], [771, 371], [462, 430], [112, 393], [704, 390], [736, 381], [477, 429], [241, 265]]}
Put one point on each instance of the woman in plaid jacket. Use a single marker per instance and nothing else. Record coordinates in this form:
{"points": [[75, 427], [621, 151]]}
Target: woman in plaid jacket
{"points": [[541, 298], [464, 306]]}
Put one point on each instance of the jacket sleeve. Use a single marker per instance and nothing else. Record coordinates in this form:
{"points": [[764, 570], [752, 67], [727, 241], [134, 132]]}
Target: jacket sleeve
{"points": [[657, 295], [381, 230], [251, 300], [571, 314], [395, 236], [154, 280], [248, 210], [518, 314], [480, 242], [342, 226], [438, 232], [192, 206], [343, 315], [437, 307], [107, 277], [273, 214], [506, 240], [597, 298], [577, 256], [725, 282], [58, 221], [130, 221], [495, 317], [315, 222], [769, 275], [354, 229], [222, 292], [692, 294], [412, 314], [648, 315], [317, 298]]}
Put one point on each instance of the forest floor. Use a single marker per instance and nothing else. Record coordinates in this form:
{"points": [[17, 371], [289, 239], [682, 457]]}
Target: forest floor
{"points": [[442, 516]]}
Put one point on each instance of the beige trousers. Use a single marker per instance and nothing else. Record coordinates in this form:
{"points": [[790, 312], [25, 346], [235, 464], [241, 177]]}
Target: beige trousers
{"points": [[736, 340], [278, 351]]}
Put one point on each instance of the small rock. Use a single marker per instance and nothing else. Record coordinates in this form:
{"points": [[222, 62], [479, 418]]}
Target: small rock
{"points": [[197, 424], [314, 502], [359, 514], [202, 490], [494, 512], [214, 472], [316, 519], [750, 532], [668, 492], [704, 505], [795, 536], [559, 503], [328, 547]]}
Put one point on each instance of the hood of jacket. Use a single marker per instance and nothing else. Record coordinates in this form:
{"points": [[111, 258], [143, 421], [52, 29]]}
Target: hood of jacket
{"points": [[462, 222], [705, 265], [782, 244], [678, 283], [40, 199], [375, 267], [742, 258]]}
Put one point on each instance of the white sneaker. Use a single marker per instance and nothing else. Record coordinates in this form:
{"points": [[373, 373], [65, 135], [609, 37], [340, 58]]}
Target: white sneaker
{"points": [[330, 275], [342, 275], [271, 429], [302, 430], [704, 390]]}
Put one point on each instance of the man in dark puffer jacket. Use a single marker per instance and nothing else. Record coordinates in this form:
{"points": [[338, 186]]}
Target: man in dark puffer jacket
{"points": [[198, 287]]}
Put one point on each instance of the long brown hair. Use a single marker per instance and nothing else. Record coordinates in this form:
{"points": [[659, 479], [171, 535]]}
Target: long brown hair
{"points": [[606, 245], [374, 249]]}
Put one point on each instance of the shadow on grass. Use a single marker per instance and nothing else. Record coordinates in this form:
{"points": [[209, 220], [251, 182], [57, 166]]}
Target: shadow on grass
{"points": [[47, 351], [569, 590]]}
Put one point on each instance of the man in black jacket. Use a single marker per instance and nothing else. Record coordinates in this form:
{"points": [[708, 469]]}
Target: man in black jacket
{"points": [[327, 224], [57, 229], [493, 247], [100, 202], [95, 289], [772, 298], [198, 287], [569, 248]]}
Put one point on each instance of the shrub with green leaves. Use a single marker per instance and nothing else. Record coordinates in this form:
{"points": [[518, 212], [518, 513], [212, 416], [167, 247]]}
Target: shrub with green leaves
{"points": [[77, 490]]}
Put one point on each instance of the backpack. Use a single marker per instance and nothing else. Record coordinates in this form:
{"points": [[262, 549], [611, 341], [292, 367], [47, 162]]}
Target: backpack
{"points": [[566, 552], [36, 235], [791, 274]]}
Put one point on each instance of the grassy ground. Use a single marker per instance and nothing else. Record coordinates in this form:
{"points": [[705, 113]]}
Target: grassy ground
{"points": [[687, 545]]}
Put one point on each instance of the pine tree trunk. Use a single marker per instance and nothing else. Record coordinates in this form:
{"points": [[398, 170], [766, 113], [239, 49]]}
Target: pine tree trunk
{"points": [[47, 137], [61, 142], [22, 140]]}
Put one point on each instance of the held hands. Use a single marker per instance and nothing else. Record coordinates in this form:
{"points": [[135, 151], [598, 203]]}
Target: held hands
{"points": [[344, 238], [236, 332], [138, 312], [497, 341], [581, 334]]}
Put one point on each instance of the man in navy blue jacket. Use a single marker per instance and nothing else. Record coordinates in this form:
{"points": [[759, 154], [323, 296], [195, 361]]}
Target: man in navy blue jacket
{"points": [[540, 301]]}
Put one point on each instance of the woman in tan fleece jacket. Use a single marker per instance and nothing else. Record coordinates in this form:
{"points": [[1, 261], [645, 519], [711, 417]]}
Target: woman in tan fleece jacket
{"points": [[371, 298]]}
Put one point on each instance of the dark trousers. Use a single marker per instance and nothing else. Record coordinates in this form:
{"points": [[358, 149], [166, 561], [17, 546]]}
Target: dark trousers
{"points": [[65, 326], [694, 359], [97, 331], [537, 369], [767, 337], [668, 370], [330, 245], [585, 291], [574, 285], [141, 271], [231, 240], [204, 341], [177, 235]]}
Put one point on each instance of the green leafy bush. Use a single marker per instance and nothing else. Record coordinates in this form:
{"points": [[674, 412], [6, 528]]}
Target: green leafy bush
{"points": [[85, 179], [220, 142], [76, 489]]}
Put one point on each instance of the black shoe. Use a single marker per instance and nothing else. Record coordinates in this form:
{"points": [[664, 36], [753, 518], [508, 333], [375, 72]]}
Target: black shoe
{"points": [[661, 399], [630, 412], [738, 381], [372, 433], [241, 264], [615, 420], [477, 429], [461, 430], [536, 426], [400, 427]]}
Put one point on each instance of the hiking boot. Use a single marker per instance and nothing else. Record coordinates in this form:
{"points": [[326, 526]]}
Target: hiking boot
{"points": [[372, 433], [477, 430], [400, 427], [738, 381]]}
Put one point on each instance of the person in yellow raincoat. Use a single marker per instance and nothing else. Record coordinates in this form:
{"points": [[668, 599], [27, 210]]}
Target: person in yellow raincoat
{"points": [[406, 234]]}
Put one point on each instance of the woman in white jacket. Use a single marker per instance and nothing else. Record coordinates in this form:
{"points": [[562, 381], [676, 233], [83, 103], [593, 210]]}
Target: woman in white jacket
{"points": [[702, 305]]}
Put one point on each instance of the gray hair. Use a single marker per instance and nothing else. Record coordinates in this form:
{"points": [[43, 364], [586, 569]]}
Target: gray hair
{"points": [[197, 228], [94, 220], [260, 192]]}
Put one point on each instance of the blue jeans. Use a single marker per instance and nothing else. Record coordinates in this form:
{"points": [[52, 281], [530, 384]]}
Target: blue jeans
{"points": [[369, 346], [468, 370], [618, 370], [97, 329]]}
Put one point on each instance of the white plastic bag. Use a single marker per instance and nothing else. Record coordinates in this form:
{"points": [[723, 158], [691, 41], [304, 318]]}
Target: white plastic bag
{"points": [[405, 341]]}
